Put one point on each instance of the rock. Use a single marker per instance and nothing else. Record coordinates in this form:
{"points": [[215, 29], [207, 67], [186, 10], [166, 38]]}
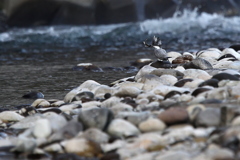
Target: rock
{"points": [[82, 147], [198, 63], [27, 122], [196, 74], [91, 104], [68, 107], [159, 72], [10, 116], [121, 128], [211, 52], [172, 155], [23, 144], [95, 117], [84, 96], [225, 76], [168, 80], [134, 117], [208, 117], [150, 82], [164, 90], [95, 135], [53, 148], [199, 90], [68, 131], [121, 107], [70, 95], [88, 85], [110, 102], [151, 125], [210, 82], [42, 128], [38, 103], [183, 59], [236, 121], [181, 82], [141, 62], [174, 115], [194, 110], [87, 67], [144, 71], [193, 84], [101, 90], [33, 95], [128, 92], [56, 121]]}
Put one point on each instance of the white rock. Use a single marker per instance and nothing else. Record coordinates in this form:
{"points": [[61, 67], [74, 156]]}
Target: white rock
{"points": [[163, 90], [68, 107], [122, 128], [236, 121], [70, 95], [111, 102], [232, 52], [144, 71], [129, 84], [54, 148], [196, 74], [8, 116], [40, 103], [42, 128], [121, 107], [91, 104], [57, 103], [180, 69], [223, 64], [88, 85], [168, 80], [214, 53], [101, 90], [27, 122], [113, 146], [56, 121], [151, 125], [128, 91], [194, 84]]}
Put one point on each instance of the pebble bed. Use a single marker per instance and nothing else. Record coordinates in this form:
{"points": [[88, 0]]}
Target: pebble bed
{"points": [[187, 109]]}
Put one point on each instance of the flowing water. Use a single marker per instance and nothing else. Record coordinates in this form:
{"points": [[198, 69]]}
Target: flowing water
{"points": [[42, 58]]}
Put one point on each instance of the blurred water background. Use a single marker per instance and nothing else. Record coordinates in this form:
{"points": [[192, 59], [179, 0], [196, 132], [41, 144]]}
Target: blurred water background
{"points": [[41, 58]]}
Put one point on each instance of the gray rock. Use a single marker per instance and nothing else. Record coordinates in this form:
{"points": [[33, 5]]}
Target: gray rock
{"points": [[134, 117], [70, 130], [95, 135], [208, 117], [95, 117]]}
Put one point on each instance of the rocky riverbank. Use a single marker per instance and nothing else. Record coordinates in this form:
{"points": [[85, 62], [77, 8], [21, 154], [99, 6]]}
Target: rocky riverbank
{"points": [[185, 109]]}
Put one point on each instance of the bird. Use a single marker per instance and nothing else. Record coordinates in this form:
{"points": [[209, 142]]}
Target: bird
{"points": [[159, 52]]}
